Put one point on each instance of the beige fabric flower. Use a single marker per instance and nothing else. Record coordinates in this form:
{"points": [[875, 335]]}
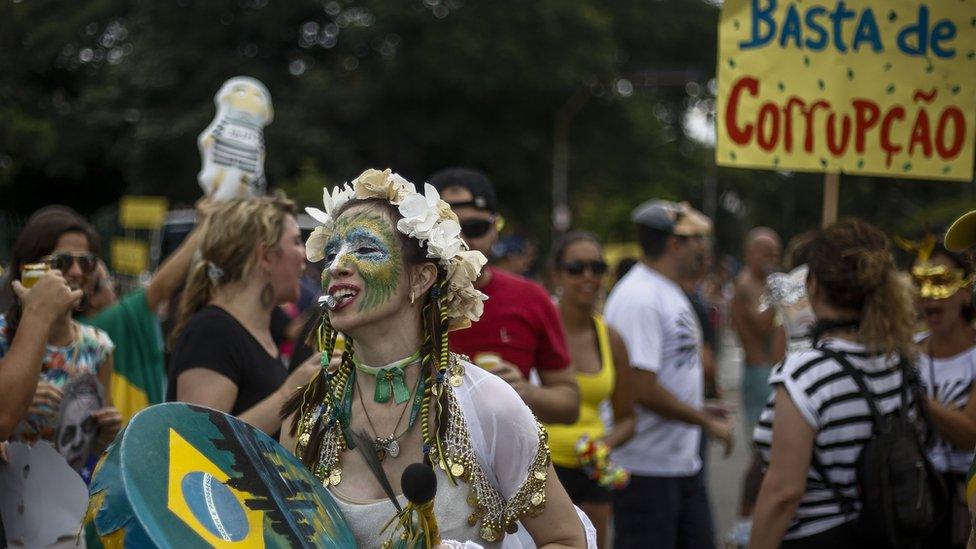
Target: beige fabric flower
{"points": [[465, 268], [315, 247], [374, 184], [445, 212], [464, 306]]}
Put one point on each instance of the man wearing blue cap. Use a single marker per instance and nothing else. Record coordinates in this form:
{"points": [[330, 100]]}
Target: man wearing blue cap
{"points": [[665, 505]]}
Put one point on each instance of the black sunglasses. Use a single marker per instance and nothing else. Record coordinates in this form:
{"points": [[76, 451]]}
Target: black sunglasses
{"points": [[64, 260], [576, 268], [476, 228]]}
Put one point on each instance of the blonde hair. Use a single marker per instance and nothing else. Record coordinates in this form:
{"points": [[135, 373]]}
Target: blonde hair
{"points": [[230, 235], [852, 262]]}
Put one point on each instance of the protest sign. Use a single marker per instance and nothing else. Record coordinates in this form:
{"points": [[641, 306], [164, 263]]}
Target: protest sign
{"points": [[854, 86]]}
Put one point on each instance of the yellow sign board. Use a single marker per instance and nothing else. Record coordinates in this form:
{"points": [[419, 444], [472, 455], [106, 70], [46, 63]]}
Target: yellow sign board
{"points": [[854, 86], [614, 252], [129, 256], [142, 212]]}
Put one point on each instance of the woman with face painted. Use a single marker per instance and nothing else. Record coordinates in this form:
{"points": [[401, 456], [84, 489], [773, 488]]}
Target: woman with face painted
{"points": [[947, 368], [397, 279], [224, 357]]}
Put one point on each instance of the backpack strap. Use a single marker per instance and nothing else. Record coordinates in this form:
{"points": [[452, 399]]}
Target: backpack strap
{"points": [[911, 382], [876, 417], [846, 502]]}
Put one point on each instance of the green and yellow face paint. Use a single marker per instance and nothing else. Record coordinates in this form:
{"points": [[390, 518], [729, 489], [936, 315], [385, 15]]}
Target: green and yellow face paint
{"points": [[364, 240]]}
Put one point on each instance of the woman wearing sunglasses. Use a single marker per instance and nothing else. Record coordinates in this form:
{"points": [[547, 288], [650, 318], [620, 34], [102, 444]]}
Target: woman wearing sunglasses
{"points": [[947, 368], [602, 372], [57, 238]]}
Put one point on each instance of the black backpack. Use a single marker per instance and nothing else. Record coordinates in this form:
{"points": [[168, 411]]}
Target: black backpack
{"points": [[902, 496]]}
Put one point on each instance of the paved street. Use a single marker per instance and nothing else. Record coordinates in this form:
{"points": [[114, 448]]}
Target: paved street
{"points": [[725, 474]]}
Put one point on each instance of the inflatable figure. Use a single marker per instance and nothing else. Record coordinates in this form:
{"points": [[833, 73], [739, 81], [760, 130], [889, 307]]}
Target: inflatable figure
{"points": [[232, 146]]}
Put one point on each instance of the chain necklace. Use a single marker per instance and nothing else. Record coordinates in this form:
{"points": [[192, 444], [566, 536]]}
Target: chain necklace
{"points": [[389, 445], [336, 411]]}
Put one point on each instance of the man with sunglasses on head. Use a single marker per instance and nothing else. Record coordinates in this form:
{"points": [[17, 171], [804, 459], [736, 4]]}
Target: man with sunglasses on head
{"points": [[666, 504], [520, 330]]}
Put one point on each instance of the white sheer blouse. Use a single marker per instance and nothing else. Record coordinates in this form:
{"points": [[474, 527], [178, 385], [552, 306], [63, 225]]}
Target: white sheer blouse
{"points": [[504, 436]]}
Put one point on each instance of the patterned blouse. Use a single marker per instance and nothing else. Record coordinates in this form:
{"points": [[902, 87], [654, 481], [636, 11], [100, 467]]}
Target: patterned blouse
{"points": [[85, 355]]}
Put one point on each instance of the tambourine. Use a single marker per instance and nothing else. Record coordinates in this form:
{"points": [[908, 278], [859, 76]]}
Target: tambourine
{"points": [[187, 476]]}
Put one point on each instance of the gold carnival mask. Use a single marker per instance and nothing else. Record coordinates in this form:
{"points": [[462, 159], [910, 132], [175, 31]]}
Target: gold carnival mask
{"points": [[933, 281], [939, 281]]}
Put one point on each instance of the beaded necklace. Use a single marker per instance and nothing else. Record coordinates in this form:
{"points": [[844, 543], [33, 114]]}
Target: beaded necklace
{"points": [[336, 412]]}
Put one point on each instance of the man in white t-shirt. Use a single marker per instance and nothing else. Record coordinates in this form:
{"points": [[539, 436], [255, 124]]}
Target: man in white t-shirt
{"points": [[665, 505]]}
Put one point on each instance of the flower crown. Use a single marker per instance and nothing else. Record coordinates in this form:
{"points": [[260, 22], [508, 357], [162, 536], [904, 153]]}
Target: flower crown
{"points": [[425, 217]]}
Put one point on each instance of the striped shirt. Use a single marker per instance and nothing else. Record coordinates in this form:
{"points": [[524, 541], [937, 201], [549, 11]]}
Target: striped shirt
{"points": [[829, 400]]}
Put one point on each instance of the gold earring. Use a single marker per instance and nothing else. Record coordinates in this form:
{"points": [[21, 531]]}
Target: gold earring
{"points": [[413, 297]]}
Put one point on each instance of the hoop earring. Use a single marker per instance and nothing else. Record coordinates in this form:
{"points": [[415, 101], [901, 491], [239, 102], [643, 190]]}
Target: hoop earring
{"points": [[267, 295]]}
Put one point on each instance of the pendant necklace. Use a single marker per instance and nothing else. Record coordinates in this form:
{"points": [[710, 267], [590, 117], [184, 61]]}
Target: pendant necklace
{"points": [[390, 445]]}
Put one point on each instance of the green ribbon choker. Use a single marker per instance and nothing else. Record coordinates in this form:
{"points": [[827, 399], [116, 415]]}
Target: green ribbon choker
{"points": [[390, 379]]}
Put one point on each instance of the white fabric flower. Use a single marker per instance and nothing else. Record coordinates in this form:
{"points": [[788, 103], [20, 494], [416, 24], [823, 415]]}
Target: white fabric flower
{"points": [[332, 201], [445, 240], [420, 213], [315, 247], [400, 188]]}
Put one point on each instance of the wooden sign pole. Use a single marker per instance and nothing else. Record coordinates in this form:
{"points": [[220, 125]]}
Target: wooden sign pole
{"points": [[831, 194]]}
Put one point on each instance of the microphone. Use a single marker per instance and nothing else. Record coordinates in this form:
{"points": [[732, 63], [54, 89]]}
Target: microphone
{"points": [[328, 301], [419, 486]]}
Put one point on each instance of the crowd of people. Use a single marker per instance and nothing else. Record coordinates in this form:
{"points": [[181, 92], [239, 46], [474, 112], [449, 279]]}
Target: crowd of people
{"points": [[421, 352]]}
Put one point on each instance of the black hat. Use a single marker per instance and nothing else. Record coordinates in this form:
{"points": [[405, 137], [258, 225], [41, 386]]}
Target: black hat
{"points": [[477, 183]]}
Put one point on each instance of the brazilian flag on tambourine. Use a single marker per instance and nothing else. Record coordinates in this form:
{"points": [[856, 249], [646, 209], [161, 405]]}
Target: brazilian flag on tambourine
{"points": [[186, 476]]}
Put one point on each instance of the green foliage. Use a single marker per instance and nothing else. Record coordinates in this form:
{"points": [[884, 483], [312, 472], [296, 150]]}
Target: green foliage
{"points": [[107, 97]]}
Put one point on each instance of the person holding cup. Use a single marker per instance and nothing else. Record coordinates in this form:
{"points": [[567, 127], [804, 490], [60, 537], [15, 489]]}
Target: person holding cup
{"points": [[61, 240], [49, 298]]}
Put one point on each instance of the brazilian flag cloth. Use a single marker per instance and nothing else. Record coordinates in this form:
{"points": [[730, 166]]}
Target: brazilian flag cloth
{"points": [[139, 374]]}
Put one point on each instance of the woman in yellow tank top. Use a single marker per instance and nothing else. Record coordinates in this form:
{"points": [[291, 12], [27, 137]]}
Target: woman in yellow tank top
{"points": [[602, 371]]}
